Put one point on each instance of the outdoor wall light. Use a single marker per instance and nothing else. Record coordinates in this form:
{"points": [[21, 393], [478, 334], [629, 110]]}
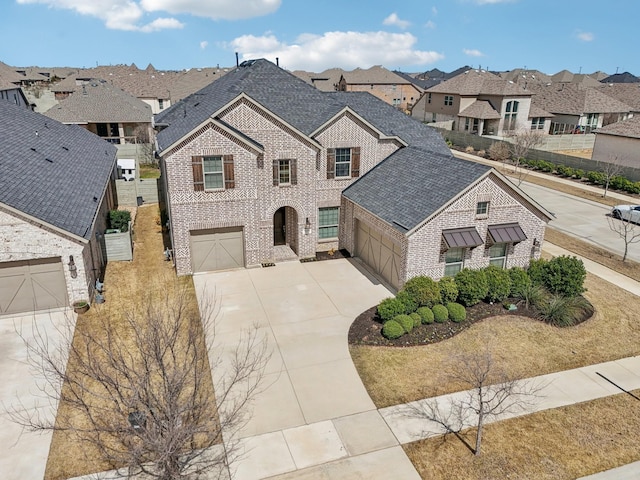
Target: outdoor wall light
{"points": [[536, 245], [73, 270], [307, 227]]}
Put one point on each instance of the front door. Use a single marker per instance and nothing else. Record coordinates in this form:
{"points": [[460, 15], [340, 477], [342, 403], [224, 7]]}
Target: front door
{"points": [[279, 229]]}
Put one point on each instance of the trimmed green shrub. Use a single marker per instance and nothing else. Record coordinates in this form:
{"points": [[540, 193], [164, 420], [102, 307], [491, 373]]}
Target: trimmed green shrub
{"points": [[472, 286], [578, 173], [536, 271], [389, 308], [405, 320], [424, 291], [519, 281], [417, 319], [407, 300], [457, 312], [440, 313], [392, 330], [564, 311], [499, 283], [565, 171], [426, 315], [565, 275], [119, 219], [597, 178], [618, 182], [448, 289]]}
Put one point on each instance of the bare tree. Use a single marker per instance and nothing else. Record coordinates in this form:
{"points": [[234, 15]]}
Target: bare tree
{"points": [[522, 141], [490, 394], [500, 152], [137, 390], [611, 168], [627, 231]]}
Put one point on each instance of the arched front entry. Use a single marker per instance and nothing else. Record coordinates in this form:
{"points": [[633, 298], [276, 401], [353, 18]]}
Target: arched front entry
{"points": [[285, 228]]}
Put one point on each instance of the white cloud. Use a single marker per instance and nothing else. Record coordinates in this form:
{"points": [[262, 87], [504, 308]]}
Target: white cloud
{"points": [[430, 24], [346, 50], [128, 14], [472, 52], [217, 9], [204, 44], [434, 10], [585, 36], [393, 19]]}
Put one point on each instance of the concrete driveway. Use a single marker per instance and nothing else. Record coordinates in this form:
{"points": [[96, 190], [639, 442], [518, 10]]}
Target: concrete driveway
{"points": [[315, 416], [23, 454]]}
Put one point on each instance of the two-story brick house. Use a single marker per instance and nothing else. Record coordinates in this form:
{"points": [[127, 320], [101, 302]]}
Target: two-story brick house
{"points": [[256, 164]]}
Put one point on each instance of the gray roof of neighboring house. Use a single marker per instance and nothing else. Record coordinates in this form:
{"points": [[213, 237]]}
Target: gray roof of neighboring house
{"points": [[479, 82], [375, 75], [52, 171], [425, 175], [97, 101], [574, 99], [480, 109], [537, 112], [626, 128], [625, 77], [326, 81], [628, 93], [418, 82]]}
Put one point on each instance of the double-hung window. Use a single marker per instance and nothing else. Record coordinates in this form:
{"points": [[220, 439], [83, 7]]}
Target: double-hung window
{"points": [[213, 173], [482, 209], [454, 261], [284, 172], [511, 115], [343, 162], [448, 100], [498, 254], [328, 219]]}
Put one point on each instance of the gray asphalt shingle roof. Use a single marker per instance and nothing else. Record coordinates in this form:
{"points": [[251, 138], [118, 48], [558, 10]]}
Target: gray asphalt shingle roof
{"points": [[52, 171], [402, 190]]}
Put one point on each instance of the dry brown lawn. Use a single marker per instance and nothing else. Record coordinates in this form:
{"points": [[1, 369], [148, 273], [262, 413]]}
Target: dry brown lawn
{"points": [[559, 444], [582, 153], [126, 283]]}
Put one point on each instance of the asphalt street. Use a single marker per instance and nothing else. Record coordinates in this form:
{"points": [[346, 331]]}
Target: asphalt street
{"points": [[581, 218]]}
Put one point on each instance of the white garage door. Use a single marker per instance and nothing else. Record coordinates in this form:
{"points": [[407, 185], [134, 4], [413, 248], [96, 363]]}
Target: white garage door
{"points": [[380, 253], [218, 249], [32, 285]]}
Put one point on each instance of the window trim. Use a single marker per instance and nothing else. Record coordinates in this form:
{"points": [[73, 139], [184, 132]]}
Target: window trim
{"points": [[457, 263], [325, 227], [502, 259], [332, 163], [205, 173], [284, 169], [448, 100], [482, 208], [198, 171]]}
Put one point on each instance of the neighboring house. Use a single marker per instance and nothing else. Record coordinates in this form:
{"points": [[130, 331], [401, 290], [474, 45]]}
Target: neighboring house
{"points": [[103, 109], [476, 101], [13, 93], [625, 77], [382, 83], [578, 109], [327, 81], [619, 143], [627, 93], [56, 188], [260, 166]]}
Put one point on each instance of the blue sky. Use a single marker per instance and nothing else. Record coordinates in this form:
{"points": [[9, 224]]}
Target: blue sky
{"points": [[411, 35]]}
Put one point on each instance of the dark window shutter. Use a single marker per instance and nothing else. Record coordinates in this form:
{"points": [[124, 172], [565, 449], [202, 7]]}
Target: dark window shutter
{"points": [[293, 166], [229, 173], [331, 163], [198, 174], [276, 173], [355, 162]]}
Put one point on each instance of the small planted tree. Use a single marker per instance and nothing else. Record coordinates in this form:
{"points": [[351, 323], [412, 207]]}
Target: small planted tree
{"points": [[522, 142], [119, 219], [628, 232]]}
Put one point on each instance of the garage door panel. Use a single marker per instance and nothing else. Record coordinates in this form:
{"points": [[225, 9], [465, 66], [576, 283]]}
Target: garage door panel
{"points": [[217, 250], [379, 252], [32, 285]]}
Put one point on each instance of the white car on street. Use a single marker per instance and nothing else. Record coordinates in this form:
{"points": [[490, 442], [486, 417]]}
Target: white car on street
{"points": [[630, 213]]}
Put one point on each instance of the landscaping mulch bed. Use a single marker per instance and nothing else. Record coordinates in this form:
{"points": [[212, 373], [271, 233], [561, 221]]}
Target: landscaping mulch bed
{"points": [[332, 254], [366, 328]]}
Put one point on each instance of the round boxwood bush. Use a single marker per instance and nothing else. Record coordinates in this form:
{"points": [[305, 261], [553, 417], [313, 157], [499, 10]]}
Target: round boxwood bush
{"points": [[426, 315], [406, 321], [389, 308], [448, 289], [392, 330], [565, 276], [440, 313], [499, 283], [536, 271], [472, 286], [457, 312], [417, 319], [520, 281], [424, 291], [407, 301]]}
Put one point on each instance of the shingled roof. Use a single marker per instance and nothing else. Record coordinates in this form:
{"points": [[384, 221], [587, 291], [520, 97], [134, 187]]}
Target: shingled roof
{"points": [[96, 101], [54, 172], [479, 82], [626, 128], [402, 190], [573, 99], [481, 109]]}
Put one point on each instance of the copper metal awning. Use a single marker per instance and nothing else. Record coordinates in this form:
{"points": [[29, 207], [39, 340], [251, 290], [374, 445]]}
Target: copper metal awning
{"points": [[462, 237], [506, 233]]}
